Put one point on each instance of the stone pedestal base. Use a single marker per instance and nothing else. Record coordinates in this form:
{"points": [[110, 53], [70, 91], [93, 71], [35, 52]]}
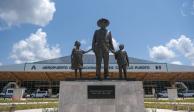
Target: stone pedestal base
{"points": [[18, 93], [172, 94], [73, 97]]}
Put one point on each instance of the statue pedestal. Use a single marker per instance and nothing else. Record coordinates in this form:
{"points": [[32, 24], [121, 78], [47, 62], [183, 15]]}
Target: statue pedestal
{"points": [[18, 93], [172, 93], [101, 96]]}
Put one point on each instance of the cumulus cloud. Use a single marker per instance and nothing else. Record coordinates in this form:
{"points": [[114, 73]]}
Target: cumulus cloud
{"points": [[1, 64], [115, 43], [34, 48], [187, 8], [182, 46], [83, 42], [176, 62], [161, 53], [16, 12]]}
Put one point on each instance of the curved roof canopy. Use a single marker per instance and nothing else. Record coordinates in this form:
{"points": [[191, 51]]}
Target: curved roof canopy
{"points": [[60, 68]]}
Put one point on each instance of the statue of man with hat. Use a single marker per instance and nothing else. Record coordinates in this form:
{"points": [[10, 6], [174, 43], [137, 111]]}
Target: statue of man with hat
{"points": [[102, 43]]}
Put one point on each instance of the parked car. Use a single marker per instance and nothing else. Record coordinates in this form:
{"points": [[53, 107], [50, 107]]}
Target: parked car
{"points": [[189, 93], [39, 94], [8, 93], [162, 94], [55, 96]]}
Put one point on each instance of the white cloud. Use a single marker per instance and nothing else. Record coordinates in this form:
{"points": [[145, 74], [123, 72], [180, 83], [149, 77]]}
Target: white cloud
{"points": [[182, 46], [37, 12], [161, 53], [187, 8], [176, 62], [1, 64], [34, 48], [83, 42], [115, 43]]}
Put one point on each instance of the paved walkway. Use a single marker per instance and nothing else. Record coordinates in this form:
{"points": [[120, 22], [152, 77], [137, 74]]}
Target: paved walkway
{"points": [[31, 110], [163, 110], [20, 103], [178, 103]]}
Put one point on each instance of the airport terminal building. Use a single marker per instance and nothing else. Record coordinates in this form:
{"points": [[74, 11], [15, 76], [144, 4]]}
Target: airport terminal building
{"points": [[47, 74]]}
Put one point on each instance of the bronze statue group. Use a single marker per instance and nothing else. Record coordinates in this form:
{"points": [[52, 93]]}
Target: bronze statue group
{"points": [[101, 45]]}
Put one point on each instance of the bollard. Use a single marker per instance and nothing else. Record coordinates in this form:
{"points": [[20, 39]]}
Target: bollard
{"points": [[189, 109], [174, 107], [12, 108], [154, 110]]}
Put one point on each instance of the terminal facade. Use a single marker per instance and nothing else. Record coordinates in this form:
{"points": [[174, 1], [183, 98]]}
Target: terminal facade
{"points": [[46, 75]]}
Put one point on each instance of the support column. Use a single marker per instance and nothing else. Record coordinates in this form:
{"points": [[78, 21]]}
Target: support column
{"points": [[172, 91], [18, 93], [50, 92], [153, 91]]}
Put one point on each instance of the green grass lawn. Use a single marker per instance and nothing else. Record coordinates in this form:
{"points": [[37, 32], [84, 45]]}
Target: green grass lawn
{"points": [[29, 106], [188, 100], [53, 103], [167, 106], [155, 103], [9, 100]]}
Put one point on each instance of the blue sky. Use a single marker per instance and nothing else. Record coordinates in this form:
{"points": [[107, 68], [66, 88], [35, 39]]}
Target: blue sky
{"points": [[158, 30]]}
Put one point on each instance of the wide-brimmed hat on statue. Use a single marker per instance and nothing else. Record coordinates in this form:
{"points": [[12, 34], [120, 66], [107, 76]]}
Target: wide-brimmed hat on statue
{"points": [[103, 21]]}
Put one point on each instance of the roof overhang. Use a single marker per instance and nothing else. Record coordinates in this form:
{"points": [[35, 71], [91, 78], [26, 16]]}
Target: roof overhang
{"points": [[140, 71], [58, 76]]}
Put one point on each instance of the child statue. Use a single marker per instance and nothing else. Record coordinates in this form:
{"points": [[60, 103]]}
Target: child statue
{"points": [[77, 58], [122, 60]]}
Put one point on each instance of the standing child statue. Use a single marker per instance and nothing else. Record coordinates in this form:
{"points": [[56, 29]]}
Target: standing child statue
{"points": [[122, 60], [77, 58]]}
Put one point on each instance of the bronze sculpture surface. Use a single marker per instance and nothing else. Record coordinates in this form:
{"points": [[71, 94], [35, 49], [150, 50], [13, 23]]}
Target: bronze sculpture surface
{"points": [[101, 45], [77, 58], [122, 61]]}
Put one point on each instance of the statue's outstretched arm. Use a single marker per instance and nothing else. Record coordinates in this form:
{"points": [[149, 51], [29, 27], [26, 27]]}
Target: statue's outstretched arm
{"points": [[87, 51]]}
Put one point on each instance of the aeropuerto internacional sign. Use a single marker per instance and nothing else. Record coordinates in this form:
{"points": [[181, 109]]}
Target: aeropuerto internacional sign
{"points": [[158, 67]]}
